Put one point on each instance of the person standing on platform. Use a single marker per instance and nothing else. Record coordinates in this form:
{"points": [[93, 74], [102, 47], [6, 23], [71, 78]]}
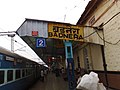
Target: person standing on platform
{"points": [[42, 75], [62, 71], [45, 74]]}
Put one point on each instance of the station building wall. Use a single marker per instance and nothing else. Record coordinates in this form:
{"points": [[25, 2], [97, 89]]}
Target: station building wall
{"points": [[107, 10], [93, 56]]}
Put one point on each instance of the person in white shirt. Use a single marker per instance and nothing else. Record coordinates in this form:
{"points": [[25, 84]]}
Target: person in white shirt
{"points": [[42, 75]]}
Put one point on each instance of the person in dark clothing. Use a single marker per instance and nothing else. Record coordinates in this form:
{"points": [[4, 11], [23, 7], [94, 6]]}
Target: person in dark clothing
{"points": [[57, 72]]}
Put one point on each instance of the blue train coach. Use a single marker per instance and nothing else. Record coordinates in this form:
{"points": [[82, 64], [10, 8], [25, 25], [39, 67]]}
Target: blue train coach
{"points": [[17, 72]]}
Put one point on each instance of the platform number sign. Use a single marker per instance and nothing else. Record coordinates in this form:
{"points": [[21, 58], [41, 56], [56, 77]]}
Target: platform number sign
{"points": [[40, 42]]}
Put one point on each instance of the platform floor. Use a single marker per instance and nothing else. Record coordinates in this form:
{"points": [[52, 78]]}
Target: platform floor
{"points": [[51, 82]]}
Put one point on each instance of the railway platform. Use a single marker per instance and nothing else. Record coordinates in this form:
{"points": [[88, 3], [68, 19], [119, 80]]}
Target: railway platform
{"points": [[51, 82]]}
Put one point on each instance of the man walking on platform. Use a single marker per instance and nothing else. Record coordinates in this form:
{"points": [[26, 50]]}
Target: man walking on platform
{"points": [[42, 75]]}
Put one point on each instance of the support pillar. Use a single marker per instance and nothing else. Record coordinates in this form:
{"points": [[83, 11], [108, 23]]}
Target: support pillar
{"points": [[70, 65]]}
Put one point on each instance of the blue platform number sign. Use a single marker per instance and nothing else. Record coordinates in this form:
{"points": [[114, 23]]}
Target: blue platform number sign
{"points": [[40, 42]]}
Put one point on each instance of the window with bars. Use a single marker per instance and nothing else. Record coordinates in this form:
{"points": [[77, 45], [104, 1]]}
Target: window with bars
{"points": [[2, 74], [17, 74], [1, 57], [9, 75]]}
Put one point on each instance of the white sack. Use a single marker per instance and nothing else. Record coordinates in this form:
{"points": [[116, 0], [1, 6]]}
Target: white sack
{"points": [[94, 81], [89, 82], [83, 83]]}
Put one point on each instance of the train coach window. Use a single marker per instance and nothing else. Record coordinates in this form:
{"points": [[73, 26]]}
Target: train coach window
{"points": [[2, 74], [29, 71], [23, 73], [1, 57], [26, 72], [9, 75], [17, 74]]}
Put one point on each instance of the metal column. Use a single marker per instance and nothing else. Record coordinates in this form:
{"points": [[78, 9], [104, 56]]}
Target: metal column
{"points": [[70, 65]]}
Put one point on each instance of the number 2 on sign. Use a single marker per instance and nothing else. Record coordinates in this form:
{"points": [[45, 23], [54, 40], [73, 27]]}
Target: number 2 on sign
{"points": [[41, 42]]}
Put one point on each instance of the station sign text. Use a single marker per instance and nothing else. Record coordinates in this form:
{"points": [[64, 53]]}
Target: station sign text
{"points": [[67, 32]]}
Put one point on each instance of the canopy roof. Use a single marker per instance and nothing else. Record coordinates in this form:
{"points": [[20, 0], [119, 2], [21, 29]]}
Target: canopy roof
{"points": [[32, 29]]}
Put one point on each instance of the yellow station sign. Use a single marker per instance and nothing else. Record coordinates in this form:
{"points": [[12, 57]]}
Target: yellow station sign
{"points": [[65, 31]]}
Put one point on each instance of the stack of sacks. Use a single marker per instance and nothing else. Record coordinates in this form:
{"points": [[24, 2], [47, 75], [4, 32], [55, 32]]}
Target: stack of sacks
{"points": [[89, 82]]}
